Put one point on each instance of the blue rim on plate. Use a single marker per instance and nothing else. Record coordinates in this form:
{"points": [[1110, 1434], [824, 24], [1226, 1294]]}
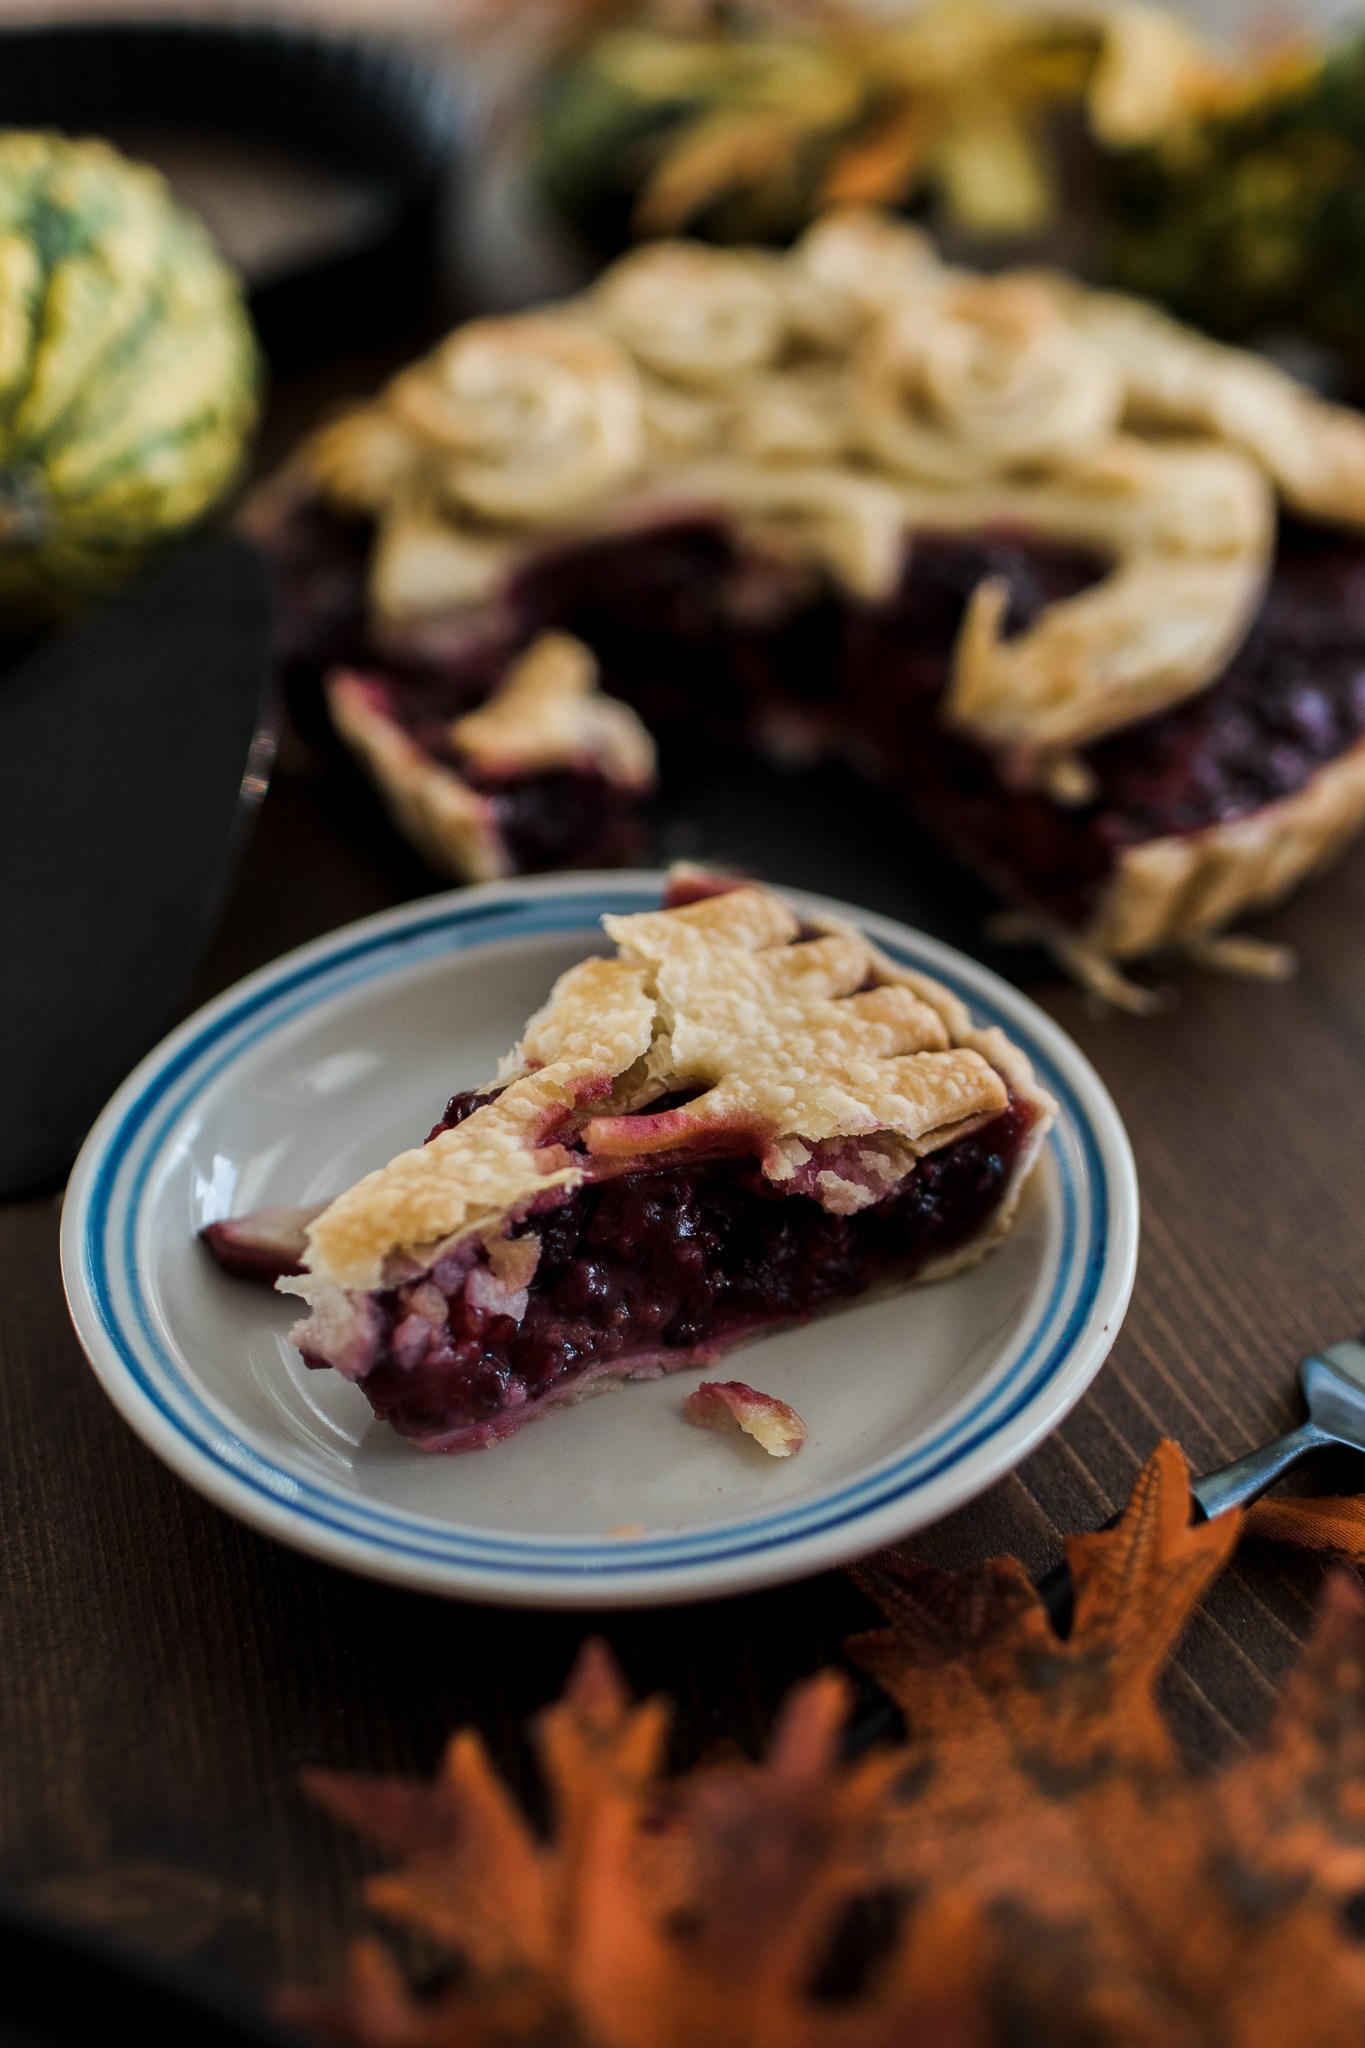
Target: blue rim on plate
{"points": [[1046, 1366]]}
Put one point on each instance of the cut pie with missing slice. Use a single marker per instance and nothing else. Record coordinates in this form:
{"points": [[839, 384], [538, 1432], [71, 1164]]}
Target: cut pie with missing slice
{"points": [[735, 1123], [1083, 589]]}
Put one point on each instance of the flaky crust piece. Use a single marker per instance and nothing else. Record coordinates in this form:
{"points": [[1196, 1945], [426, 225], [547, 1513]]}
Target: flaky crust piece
{"points": [[790, 1041]]}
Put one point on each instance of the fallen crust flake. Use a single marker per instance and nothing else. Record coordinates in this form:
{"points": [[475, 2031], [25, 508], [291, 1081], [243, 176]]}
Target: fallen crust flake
{"points": [[266, 1242], [728, 1405]]}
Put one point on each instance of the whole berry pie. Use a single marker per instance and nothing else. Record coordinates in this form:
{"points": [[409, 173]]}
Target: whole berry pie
{"points": [[736, 1123], [1081, 588]]}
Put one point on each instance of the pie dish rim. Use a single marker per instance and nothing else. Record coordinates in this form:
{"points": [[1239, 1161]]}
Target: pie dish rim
{"points": [[954, 1458]]}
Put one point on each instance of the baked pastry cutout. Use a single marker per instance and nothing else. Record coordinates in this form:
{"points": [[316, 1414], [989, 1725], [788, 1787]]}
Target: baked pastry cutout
{"points": [[733, 1124], [1045, 517]]}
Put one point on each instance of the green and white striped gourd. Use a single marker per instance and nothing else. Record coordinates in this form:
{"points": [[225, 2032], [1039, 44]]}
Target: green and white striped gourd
{"points": [[128, 372]]}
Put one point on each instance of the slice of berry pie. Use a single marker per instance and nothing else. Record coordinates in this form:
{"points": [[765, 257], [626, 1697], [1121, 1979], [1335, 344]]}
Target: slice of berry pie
{"points": [[735, 1123]]}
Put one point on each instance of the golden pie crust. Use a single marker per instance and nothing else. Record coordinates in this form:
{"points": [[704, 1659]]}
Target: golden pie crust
{"points": [[791, 1039], [449, 823], [1181, 891], [547, 712]]}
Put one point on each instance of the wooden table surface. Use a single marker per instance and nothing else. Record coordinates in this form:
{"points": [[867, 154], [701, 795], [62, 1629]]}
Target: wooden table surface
{"points": [[164, 1672]]}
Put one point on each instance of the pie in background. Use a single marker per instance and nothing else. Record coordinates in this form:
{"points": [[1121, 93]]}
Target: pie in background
{"points": [[1083, 589]]}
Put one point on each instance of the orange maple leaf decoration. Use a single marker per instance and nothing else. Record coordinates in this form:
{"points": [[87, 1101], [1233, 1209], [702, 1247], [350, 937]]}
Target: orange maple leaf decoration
{"points": [[1061, 1877], [657, 1916], [1146, 1905], [1319, 1523]]}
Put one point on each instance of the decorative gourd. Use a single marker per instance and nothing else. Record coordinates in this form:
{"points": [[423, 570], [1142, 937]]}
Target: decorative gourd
{"points": [[127, 372]]}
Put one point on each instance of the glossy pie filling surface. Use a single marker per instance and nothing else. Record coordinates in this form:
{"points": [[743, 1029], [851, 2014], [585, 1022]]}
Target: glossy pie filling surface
{"points": [[718, 647], [652, 1269]]}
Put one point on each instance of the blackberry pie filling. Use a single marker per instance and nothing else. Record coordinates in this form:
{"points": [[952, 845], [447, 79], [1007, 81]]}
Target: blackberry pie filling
{"points": [[715, 646], [656, 1268], [736, 1124]]}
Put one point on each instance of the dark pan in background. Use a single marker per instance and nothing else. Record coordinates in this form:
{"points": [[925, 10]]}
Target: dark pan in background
{"points": [[358, 138], [135, 743]]}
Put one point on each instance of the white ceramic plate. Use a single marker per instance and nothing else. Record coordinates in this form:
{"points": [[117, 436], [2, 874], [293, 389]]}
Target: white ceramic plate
{"points": [[326, 1063]]}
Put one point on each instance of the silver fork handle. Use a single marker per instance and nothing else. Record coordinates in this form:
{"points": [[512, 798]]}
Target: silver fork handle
{"points": [[1246, 1480]]}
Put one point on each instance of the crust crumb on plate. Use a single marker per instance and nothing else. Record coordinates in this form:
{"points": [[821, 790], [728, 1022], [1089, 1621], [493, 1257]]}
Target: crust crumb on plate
{"points": [[727, 1405]]}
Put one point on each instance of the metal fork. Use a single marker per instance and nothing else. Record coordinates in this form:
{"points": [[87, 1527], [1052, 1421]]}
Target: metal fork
{"points": [[1333, 1385]]}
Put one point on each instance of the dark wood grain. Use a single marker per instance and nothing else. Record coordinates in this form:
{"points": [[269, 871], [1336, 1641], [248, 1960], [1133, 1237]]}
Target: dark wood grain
{"points": [[164, 1672]]}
